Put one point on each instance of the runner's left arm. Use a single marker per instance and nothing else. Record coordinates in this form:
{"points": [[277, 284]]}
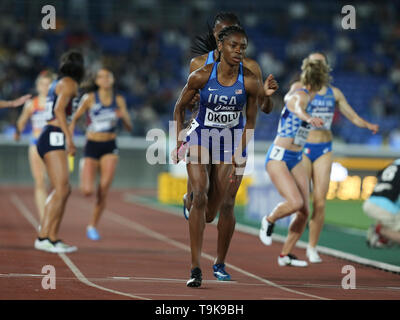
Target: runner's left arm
{"points": [[345, 108], [125, 117]]}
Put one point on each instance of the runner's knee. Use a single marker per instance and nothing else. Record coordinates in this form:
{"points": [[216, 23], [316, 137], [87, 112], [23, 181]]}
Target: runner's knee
{"points": [[319, 207], [199, 200], [227, 207], [87, 191], [295, 204], [63, 191]]}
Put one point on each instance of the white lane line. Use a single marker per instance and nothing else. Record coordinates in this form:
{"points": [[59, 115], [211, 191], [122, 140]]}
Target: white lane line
{"points": [[24, 211], [183, 280], [84, 280], [140, 228], [79, 275], [20, 275], [276, 237]]}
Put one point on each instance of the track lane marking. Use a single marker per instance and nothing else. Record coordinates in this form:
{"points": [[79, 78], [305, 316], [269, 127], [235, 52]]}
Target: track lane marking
{"points": [[25, 212], [142, 229]]}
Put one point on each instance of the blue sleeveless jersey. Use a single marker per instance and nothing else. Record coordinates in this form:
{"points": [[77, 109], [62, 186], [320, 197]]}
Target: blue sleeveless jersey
{"points": [[102, 118], [51, 101], [210, 58], [291, 126], [222, 106], [323, 106]]}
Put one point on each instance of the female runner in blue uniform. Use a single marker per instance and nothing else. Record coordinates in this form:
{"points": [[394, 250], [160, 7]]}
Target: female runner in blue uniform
{"points": [[103, 109], [318, 151], [218, 135], [207, 47], [283, 161], [53, 144], [35, 110]]}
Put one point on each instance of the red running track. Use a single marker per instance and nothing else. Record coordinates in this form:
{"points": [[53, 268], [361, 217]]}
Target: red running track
{"points": [[144, 254]]}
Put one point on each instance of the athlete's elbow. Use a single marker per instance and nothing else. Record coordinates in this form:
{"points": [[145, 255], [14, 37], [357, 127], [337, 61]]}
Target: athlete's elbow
{"points": [[267, 107]]}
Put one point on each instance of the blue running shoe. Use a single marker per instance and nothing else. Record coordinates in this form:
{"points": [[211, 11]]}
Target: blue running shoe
{"points": [[185, 210], [92, 233], [220, 273]]}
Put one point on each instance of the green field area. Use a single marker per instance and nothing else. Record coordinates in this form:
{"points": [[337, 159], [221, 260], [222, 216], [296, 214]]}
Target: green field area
{"points": [[347, 214], [339, 213]]}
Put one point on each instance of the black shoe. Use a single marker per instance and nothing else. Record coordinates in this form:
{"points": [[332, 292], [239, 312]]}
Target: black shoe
{"points": [[195, 278]]}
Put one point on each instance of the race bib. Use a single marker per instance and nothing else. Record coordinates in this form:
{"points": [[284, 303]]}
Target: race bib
{"points": [[100, 126], [277, 153], [56, 139], [302, 134], [223, 119], [327, 117], [193, 125]]}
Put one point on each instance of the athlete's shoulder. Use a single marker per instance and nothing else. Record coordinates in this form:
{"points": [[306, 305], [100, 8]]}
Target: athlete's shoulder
{"points": [[200, 76], [67, 81], [68, 85], [198, 62], [250, 63], [253, 66], [248, 73], [88, 97], [299, 93], [251, 81], [336, 91], [119, 98], [296, 86]]}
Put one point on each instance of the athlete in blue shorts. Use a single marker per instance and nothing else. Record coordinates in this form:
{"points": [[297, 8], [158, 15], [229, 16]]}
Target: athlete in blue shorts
{"points": [[103, 109], [318, 150], [225, 88], [283, 161], [53, 144], [206, 46]]}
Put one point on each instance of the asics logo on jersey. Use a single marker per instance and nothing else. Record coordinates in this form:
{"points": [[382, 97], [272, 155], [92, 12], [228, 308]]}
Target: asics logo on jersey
{"points": [[224, 108]]}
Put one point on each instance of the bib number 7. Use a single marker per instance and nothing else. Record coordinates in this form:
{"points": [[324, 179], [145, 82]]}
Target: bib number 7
{"points": [[277, 153]]}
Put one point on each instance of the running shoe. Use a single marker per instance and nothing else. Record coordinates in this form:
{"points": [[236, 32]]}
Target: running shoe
{"points": [[220, 273], [312, 255], [61, 247], [291, 260], [266, 231], [375, 239], [44, 245], [185, 209], [195, 278], [92, 233]]}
